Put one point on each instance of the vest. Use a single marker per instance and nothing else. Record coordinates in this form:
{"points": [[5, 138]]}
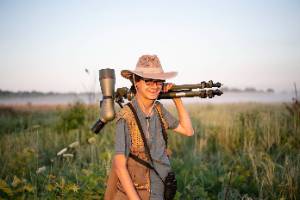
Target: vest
{"points": [[140, 174]]}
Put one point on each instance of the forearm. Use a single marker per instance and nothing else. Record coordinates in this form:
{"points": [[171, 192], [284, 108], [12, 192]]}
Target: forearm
{"points": [[124, 177], [185, 125]]}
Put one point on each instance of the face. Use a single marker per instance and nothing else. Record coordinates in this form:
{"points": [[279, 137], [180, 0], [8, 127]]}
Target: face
{"points": [[149, 88]]}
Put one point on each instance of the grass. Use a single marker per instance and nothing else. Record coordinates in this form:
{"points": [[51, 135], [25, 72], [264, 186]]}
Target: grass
{"points": [[239, 151]]}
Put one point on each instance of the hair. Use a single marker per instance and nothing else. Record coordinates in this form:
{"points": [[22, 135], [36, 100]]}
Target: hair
{"points": [[133, 79]]}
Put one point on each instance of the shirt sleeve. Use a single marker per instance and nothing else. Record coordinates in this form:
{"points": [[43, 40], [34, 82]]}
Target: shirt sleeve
{"points": [[122, 139], [171, 120]]}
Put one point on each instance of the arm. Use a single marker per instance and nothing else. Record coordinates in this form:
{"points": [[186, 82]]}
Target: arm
{"points": [[185, 125], [120, 159], [119, 165]]}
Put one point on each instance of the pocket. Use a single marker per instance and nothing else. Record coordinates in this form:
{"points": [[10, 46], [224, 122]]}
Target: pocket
{"points": [[138, 173]]}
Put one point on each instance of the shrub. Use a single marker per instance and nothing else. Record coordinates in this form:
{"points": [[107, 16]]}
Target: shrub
{"points": [[72, 118]]}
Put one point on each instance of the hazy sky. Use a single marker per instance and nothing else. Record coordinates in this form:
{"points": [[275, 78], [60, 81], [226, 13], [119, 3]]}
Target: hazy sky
{"points": [[46, 45]]}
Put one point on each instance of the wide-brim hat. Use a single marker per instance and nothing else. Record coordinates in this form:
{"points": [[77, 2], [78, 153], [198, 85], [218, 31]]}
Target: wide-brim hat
{"points": [[148, 66]]}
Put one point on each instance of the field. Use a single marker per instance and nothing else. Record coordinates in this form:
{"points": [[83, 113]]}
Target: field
{"points": [[239, 151]]}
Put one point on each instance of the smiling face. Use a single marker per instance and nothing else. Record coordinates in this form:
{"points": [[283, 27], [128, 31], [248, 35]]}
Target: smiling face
{"points": [[148, 89]]}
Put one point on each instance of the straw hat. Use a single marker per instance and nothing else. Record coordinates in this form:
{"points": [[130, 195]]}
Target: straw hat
{"points": [[148, 66]]}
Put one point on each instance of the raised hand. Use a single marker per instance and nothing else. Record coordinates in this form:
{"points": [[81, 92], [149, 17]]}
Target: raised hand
{"points": [[166, 87]]}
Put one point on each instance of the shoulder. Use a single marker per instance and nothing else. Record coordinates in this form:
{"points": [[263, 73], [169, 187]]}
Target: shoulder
{"points": [[159, 105], [124, 113]]}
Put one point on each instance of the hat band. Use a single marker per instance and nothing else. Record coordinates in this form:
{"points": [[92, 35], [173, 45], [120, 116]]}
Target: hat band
{"points": [[149, 70]]}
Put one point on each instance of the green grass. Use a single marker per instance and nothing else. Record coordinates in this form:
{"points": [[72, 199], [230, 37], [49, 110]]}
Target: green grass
{"points": [[239, 151]]}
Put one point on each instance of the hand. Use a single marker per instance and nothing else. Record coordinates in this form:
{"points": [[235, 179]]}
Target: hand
{"points": [[166, 87]]}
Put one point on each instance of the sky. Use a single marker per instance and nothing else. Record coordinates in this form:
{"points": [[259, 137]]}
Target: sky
{"points": [[47, 45]]}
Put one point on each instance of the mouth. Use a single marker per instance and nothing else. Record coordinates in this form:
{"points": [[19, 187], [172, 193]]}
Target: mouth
{"points": [[153, 91]]}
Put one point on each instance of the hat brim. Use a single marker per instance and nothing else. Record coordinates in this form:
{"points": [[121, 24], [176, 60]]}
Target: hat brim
{"points": [[160, 76]]}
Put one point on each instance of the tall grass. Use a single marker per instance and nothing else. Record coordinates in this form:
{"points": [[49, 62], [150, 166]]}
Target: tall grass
{"points": [[239, 151]]}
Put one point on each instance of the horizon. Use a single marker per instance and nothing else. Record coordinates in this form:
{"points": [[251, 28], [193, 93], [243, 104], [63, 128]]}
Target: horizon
{"points": [[47, 46], [224, 89]]}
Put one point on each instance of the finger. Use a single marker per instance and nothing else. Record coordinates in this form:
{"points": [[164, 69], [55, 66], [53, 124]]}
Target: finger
{"points": [[170, 85], [166, 88], [163, 87]]}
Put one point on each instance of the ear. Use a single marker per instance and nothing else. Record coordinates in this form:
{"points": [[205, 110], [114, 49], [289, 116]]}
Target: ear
{"points": [[137, 84]]}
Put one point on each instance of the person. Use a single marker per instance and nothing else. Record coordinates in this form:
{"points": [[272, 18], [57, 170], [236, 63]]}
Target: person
{"points": [[135, 180]]}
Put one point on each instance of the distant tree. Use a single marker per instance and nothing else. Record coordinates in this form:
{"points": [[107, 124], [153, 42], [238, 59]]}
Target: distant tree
{"points": [[270, 90], [235, 90], [250, 89]]}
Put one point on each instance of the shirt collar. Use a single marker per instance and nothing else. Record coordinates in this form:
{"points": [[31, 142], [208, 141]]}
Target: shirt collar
{"points": [[139, 110]]}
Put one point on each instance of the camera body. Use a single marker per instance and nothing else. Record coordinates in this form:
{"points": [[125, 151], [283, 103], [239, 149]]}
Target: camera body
{"points": [[170, 186]]}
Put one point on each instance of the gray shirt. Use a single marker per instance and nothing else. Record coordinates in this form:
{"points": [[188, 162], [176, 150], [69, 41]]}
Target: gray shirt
{"points": [[155, 142]]}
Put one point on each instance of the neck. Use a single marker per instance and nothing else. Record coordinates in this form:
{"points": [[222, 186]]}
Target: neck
{"points": [[145, 104]]}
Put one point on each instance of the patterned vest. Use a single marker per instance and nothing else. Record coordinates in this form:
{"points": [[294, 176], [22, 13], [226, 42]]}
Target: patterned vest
{"points": [[139, 174]]}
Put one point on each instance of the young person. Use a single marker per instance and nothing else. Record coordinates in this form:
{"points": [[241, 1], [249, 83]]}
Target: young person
{"points": [[144, 120]]}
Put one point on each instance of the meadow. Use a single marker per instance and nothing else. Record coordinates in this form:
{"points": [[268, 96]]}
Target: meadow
{"points": [[239, 151]]}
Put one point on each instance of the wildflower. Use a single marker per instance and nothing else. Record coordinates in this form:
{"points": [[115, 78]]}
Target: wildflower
{"points": [[73, 187], [74, 145], [16, 181], [41, 170], [92, 140], [64, 150]]}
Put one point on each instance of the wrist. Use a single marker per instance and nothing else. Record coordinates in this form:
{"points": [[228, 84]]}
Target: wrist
{"points": [[177, 100]]}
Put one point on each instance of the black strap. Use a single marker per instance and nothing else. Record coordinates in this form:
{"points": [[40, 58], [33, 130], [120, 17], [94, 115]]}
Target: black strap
{"points": [[164, 132], [146, 164], [145, 145], [141, 161]]}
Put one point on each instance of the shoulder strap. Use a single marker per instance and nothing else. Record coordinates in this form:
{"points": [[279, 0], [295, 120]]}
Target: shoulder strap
{"points": [[159, 106], [160, 116], [146, 164]]}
